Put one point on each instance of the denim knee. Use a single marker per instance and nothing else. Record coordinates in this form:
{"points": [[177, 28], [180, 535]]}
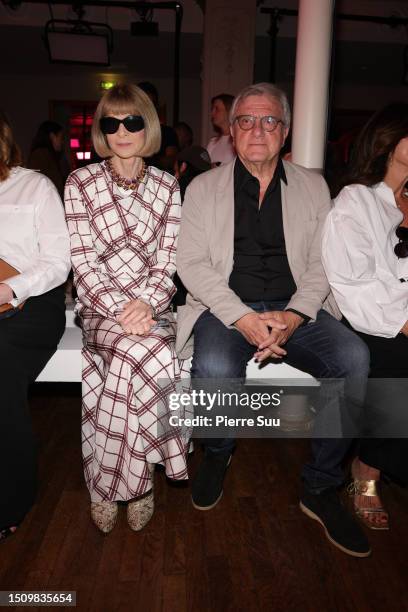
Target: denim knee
{"points": [[356, 358], [351, 357], [212, 364]]}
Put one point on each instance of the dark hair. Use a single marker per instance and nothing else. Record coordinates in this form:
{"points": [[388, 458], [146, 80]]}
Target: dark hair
{"points": [[188, 175], [226, 99], [150, 90], [10, 155], [187, 130], [375, 143], [42, 138]]}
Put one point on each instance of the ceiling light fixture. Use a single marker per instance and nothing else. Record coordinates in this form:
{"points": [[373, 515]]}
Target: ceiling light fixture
{"points": [[78, 42]]}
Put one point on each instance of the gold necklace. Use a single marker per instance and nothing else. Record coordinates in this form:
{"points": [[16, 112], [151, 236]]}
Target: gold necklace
{"points": [[122, 181]]}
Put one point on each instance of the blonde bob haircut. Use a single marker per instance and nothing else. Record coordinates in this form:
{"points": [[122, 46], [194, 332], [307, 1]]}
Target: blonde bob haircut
{"points": [[127, 99], [10, 155]]}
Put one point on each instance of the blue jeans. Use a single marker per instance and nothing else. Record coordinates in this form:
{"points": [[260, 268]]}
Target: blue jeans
{"points": [[325, 349]]}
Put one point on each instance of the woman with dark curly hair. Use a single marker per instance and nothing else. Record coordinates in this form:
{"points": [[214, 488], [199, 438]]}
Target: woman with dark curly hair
{"points": [[365, 255]]}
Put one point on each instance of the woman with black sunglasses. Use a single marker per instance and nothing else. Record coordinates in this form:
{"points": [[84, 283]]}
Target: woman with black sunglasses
{"points": [[365, 255], [34, 262], [123, 218]]}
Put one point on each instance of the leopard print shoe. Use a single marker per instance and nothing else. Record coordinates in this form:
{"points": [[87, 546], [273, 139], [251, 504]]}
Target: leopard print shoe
{"points": [[104, 515], [140, 511]]}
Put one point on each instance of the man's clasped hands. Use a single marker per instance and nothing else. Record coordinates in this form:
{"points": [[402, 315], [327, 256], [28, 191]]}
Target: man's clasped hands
{"points": [[269, 331]]}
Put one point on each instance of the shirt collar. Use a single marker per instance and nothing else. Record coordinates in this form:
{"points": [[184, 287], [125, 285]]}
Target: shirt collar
{"points": [[386, 192], [242, 175]]}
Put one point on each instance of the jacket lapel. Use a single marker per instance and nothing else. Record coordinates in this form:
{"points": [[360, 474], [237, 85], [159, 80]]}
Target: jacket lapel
{"points": [[290, 203], [224, 218]]}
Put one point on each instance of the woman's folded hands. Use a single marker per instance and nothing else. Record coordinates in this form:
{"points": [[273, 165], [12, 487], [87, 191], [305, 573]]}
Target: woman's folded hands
{"points": [[136, 318]]}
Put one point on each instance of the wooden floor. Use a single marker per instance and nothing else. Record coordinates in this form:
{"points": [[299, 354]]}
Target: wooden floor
{"points": [[254, 551]]}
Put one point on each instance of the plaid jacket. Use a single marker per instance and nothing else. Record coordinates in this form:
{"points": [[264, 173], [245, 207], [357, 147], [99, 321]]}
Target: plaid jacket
{"points": [[117, 255]]}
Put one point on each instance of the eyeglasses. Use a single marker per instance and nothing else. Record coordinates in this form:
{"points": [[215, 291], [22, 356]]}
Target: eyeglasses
{"points": [[110, 125], [401, 249], [269, 123]]}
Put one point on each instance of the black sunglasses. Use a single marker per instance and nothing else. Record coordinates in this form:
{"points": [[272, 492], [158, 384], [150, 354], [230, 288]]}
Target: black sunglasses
{"points": [[401, 249], [110, 125]]}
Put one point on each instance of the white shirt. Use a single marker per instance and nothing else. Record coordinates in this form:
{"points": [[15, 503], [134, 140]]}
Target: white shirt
{"points": [[33, 234], [360, 263], [221, 149]]}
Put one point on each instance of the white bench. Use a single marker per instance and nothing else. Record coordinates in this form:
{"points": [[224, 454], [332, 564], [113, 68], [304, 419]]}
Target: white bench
{"points": [[66, 364]]}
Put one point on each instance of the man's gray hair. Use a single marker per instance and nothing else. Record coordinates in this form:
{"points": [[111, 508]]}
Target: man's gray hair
{"points": [[263, 89]]}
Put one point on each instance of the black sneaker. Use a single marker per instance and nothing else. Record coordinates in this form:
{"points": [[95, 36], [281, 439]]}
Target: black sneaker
{"points": [[339, 526], [206, 490]]}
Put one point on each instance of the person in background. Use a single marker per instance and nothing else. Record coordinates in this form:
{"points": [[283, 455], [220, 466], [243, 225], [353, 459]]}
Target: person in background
{"points": [[365, 256], [165, 157], [185, 135], [46, 152], [34, 262], [123, 218], [190, 162], [221, 148]]}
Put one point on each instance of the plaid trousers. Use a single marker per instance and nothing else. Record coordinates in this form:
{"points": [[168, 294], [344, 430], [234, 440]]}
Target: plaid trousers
{"points": [[126, 380]]}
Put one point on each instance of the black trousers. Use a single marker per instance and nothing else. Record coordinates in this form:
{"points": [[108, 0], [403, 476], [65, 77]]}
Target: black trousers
{"points": [[389, 360], [27, 341]]}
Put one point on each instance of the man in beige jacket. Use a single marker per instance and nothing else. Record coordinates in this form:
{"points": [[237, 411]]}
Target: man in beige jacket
{"points": [[249, 256]]}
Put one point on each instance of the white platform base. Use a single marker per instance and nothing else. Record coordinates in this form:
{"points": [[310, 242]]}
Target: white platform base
{"points": [[66, 363]]}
